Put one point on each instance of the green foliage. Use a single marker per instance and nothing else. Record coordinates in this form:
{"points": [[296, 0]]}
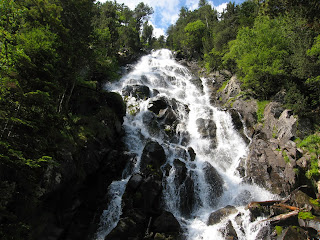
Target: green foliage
{"points": [[295, 99], [260, 53], [193, 36], [311, 144], [260, 110]]}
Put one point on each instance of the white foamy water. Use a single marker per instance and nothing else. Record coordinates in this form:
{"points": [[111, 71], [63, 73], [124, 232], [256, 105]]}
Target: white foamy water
{"points": [[166, 78]]}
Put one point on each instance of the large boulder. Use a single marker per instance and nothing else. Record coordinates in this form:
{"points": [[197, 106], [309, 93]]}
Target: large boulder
{"points": [[153, 156], [267, 167], [166, 223], [185, 185], [158, 104], [208, 130], [220, 214], [137, 91], [130, 226], [214, 181], [293, 233], [231, 90]]}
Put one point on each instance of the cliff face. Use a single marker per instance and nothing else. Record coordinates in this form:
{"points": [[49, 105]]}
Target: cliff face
{"points": [[60, 200], [73, 190], [274, 161]]}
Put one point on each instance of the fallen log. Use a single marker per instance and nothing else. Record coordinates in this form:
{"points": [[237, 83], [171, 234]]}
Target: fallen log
{"points": [[292, 208], [264, 203], [282, 217]]}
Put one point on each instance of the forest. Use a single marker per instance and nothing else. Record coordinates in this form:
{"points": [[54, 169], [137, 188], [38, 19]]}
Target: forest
{"points": [[270, 45], [57, 54]]}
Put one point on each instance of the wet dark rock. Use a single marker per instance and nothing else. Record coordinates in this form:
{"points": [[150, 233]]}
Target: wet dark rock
{"points": [[197, 82], [229, 232], [166, 223], [151, 122], [137, 91], [158, 104], [180, 172], [214, 181], [236, 119], [133, 225], [151, 189], [153, 156], [168, 116], [247, 109], [192, 154], [132, 160], [258, 210], [264, 233], [207, 129], [187, 196], [220, 214], [134, 182]]}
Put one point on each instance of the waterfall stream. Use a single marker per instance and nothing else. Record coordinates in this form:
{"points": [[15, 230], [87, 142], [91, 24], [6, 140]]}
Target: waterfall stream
{"points": [[190, 124]]}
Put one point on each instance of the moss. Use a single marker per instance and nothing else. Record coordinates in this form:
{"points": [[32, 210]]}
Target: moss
{"points": [[305, 215], [296, 171], [315, 202], [279, 230], [159, 236]]}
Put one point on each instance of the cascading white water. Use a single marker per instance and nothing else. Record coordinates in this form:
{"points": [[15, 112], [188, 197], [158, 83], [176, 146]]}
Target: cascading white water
{"points": [[166, 78]]}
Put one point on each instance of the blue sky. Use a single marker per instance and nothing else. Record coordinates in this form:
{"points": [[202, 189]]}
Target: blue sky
{"points": [[166, 12]]}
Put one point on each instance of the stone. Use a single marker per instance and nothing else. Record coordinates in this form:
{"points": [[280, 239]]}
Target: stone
{"points": [[152, 158], [197, 82], [180, 172], [219, 215], [187, 196], [134, 182], [191, 153], [206, 127], [168, 116], [137, 91], [229, 232], [166, 223], [293, 233], [214, 181], [267, 168], [231, 90], [158, 104], [310, 223], [303, 201]]}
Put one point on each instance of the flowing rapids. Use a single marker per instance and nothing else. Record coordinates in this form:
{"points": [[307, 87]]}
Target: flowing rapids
{"points": [[223, 148]]}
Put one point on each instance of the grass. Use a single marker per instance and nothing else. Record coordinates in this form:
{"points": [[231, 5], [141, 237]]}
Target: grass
{"points": [[260, 111], [224, 84]]}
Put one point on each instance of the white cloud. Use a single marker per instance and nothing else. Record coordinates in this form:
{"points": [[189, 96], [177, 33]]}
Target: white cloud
{"points": [[221, 7], [157, 32], [192, 4], [166, 12]]}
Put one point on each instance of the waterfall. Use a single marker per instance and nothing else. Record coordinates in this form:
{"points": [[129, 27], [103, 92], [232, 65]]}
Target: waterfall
{"points": [[187, 124]]}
